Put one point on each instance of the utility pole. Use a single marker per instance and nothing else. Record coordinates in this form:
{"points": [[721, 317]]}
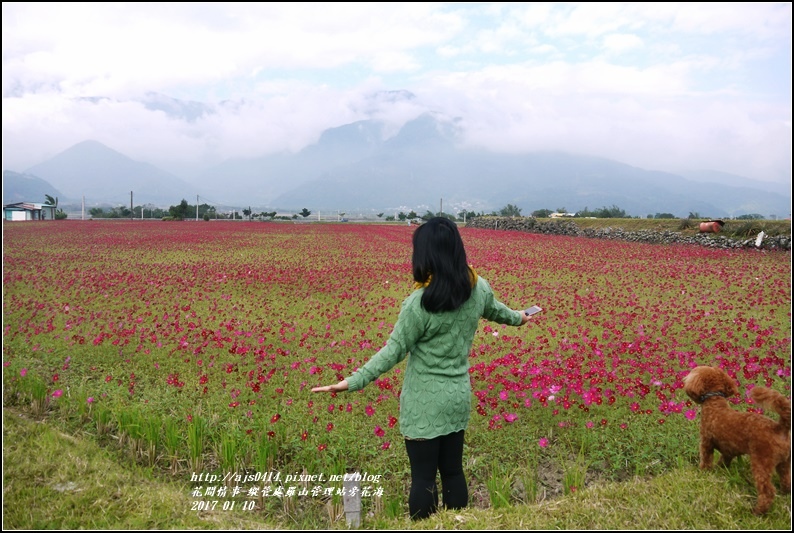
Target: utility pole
{"points": [[441, 206], [131, 213], [197, 207]]}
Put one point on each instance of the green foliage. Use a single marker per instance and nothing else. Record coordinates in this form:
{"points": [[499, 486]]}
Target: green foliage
{"points": [[181, 211], [305, 212], [542, 213], [510, 210], [574, 472], [499, 487], [196, 437]]}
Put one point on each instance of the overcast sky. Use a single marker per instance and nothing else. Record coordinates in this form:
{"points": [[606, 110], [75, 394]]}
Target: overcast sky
{"points": [[663, 86]]}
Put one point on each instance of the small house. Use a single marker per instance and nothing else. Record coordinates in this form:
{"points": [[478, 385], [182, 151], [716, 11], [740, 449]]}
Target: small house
{"points": [[28, 211]]}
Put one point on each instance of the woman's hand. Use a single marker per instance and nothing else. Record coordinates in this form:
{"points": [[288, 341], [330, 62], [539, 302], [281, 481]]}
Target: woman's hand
{"points": [[339, 387], [524, 318]]}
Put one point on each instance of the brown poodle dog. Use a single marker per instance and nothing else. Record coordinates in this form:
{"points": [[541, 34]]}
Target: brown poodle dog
{"points": [[733, 433]]}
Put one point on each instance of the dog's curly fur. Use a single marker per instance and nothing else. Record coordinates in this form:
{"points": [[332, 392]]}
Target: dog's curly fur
{"points": [[733, 433]]}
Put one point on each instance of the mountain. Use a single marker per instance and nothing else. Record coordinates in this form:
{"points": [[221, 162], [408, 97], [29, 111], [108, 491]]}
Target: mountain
{"points": [[101, 174], [425, 163], [26, 188], [365, 166]]}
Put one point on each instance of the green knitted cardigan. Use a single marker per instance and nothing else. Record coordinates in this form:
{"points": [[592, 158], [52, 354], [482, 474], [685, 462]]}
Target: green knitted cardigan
{"points": [[436, 391]]}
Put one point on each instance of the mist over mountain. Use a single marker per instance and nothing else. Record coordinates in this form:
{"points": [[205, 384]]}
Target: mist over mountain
{"points": [[363, 167], [102, 175]]}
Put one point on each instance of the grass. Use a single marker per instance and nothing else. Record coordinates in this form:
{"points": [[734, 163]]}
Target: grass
{"points": [[59, 481], [52, 480], [741, 229]]}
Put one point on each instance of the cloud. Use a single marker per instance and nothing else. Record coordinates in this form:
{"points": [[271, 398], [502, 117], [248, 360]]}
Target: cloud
{"points": [[658, 85]]}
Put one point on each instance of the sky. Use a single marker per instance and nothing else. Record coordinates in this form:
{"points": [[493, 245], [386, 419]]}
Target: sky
{"points": [[662, 86]]}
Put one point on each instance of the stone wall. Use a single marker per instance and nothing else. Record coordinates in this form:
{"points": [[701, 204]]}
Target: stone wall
{"points": [[565, 227]]}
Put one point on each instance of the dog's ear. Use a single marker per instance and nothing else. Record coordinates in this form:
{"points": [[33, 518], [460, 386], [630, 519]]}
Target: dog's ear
{"points": [[693, 385], [727, 384]]}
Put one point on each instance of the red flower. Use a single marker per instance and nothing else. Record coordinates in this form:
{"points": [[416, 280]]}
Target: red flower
{"points": [[275, 418], [322, 447], [329, 427], [379, 431], [304, 435], [392, 421]]}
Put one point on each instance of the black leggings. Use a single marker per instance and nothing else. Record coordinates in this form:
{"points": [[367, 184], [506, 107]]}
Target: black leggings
{"points": [[442, 454]]}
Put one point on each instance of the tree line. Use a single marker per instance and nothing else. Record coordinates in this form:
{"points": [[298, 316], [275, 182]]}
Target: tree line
{"points": [[184, 210]]}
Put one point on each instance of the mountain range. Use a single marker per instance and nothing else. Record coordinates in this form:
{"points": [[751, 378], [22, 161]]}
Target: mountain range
{"points": [[424, 166]]}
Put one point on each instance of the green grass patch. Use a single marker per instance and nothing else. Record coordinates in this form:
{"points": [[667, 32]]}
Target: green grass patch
{"points": [[52, 480]]}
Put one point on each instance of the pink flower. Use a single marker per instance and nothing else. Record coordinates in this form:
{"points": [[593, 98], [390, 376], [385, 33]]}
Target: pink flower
{"points": [[691, 414], [511, 417], [57, 394], [386, 445], [379, 431], [23, 372], [90, 400], [369, 410], [543, 442], [504, 395], [589, 424]]}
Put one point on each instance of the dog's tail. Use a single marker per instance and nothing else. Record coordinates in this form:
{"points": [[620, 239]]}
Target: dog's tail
{"points": [[771, 399]]}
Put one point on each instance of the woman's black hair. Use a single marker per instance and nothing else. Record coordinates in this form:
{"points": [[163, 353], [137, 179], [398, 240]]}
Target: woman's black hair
{"points": [[439, 256]]}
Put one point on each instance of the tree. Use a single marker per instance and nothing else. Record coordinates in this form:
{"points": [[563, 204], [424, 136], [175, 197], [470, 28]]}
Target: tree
{"points": [[179, 212], [380, 215], [541, 213], [610, 212], [305, 213], [510, 210], [50, 200], [412, 215]]}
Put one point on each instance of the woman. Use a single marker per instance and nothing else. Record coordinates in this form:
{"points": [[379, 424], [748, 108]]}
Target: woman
{"points": [[436, 325]]}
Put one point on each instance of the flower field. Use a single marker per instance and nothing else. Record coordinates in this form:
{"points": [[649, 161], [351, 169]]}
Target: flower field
{"points": [[193, 347]]}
